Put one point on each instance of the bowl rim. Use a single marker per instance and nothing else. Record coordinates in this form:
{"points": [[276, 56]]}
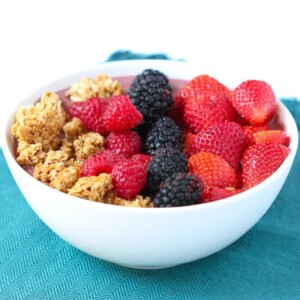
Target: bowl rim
{"points": [[141, 64]]}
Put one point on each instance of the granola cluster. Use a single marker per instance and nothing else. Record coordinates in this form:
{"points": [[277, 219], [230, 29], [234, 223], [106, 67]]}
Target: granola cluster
{"points": [[103, 87], [41, 122], [55, 145]]}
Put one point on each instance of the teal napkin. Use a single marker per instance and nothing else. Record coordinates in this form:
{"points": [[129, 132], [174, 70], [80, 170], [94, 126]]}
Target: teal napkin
{"points": [[263, 264]]}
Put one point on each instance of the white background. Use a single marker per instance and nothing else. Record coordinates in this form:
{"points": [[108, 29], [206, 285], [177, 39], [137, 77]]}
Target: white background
{"points": [[42, 40]]}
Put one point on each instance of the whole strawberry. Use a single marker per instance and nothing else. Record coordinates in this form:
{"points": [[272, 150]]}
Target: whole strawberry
{"points": [[207, 110], [260, 161], [90, 112], [213, 170], [121, 114], [255, 101], [126, 143], [129, 178], [198, 89], [224, 139]]}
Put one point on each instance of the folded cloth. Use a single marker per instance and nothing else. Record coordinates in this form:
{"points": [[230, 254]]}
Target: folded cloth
{"points": [[263, 264]]}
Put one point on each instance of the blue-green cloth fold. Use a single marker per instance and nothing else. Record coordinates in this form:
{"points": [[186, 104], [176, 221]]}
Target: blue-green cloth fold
{"points": [[263, 264]]}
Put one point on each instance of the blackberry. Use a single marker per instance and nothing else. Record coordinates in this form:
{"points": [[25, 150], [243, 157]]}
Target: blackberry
{"points": [[151, 94], [180, 189], [165, 162], [164, 133]]}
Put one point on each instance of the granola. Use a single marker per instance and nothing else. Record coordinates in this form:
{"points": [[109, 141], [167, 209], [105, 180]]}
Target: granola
{"points": [[41, 123], [88, 144], [73, 129], [92, 188], [103, 87], [138, 201], [65, 178], [30, 154]]}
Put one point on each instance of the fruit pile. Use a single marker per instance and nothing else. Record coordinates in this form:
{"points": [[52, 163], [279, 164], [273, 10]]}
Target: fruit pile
{"points": [[150, 146], [203, 144]]}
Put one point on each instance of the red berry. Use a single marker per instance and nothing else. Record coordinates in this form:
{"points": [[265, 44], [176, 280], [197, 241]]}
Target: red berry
{"points": [[250, 130], [90, 112], [203, 89], [255, 101], [271, 136], [213, 170], [142, 158], [126, 143], [121, 114], [206, 111], [203, 84], [260, 161], [224, 139], [214, 193], [129, 178], [102, 162]]}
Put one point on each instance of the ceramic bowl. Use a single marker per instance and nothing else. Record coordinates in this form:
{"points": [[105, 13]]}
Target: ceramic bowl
{"points": [[148, 237]]}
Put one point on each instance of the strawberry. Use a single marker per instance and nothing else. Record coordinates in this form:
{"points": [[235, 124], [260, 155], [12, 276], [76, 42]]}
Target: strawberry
{"points": [[207, 101], [90, 112], [271, 136], [207, 110], [213, 193], [187, 141], [203, 84], [250, 130], [121, 114], [213, 170], [126, 142], [255, 101], [176, 111], [102, 162], [259, 161], [224, 139], [129, 178]]}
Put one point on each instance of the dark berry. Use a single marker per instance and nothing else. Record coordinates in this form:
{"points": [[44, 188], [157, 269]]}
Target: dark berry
{"points": [[151, 94], [164, 133], [180, 189], [165, 163]]}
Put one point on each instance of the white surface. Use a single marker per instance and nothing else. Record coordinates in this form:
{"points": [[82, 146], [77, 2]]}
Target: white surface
{"points": [[140, 237], [41, 40]]}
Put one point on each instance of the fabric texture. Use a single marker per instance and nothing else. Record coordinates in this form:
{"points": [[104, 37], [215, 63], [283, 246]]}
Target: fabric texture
{"points": [[263, 264]]}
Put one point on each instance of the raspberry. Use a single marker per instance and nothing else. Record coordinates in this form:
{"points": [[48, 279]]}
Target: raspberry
{"points": [[143, 158], [120, 114], [102, 162], [165, 162], [151, 94], [129, 178], [126, 142], [90, 113], [165, 134], [180, 189]]}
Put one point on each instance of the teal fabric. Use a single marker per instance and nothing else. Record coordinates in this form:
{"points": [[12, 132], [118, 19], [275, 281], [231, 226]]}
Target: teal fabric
{"points": [[263, 264]]}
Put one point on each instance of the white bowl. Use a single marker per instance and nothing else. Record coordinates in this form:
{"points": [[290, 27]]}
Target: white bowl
{"points": [[147, 237]]}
